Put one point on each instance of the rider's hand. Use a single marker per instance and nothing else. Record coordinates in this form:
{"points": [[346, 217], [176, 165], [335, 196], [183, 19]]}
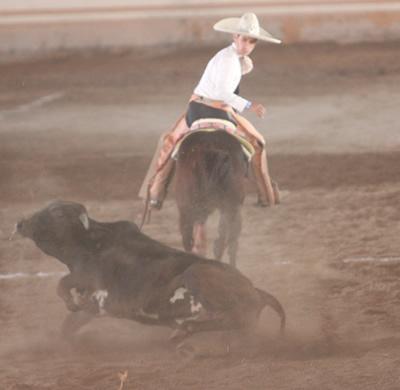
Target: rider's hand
{"points": [[258, 109]]}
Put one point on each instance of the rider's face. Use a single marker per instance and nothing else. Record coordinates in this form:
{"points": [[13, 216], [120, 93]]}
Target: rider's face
{"points": [[244, 45]]}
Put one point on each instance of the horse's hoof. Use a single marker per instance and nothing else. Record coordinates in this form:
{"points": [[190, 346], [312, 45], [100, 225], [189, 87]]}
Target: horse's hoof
{"points": [[261, 203], [277, 193]]}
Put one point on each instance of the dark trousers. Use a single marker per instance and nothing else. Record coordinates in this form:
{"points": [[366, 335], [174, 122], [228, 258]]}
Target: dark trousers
{"points": [[198, 110]]}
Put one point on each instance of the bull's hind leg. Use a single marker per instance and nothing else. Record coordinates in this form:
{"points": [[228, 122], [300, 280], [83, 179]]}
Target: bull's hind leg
{"points": [[221, 325]]}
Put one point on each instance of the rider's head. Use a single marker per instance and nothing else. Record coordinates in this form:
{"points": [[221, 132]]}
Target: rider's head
{"points": [[244, 45]]}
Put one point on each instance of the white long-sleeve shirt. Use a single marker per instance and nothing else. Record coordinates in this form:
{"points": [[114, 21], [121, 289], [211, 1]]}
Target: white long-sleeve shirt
{"points": [[221, 78]]}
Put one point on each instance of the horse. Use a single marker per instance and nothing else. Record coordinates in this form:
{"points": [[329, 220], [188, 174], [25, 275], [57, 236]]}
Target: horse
{"points": [[211, 171]]}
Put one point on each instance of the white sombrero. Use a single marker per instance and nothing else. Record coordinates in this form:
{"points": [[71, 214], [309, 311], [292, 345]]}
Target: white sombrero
{"points": [[246, 25]]}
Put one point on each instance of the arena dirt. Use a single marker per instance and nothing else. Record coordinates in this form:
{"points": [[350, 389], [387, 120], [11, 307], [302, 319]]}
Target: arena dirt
{"points": [[83, 127]]}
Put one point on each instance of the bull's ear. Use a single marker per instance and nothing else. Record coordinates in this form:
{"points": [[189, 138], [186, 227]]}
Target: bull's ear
{"points": [[85, 220]]}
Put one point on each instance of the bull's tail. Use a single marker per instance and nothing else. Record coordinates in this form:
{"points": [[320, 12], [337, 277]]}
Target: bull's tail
{"points": [[269, 300]]}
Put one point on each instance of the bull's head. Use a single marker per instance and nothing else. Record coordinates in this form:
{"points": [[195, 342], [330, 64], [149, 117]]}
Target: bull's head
{"points": [[58, 229]]}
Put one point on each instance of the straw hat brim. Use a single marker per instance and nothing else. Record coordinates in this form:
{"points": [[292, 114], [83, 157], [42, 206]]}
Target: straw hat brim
{"points": [[231, 25]]}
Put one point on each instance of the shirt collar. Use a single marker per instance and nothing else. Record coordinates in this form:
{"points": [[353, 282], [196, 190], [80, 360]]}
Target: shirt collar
{"points": [[235, 49]]}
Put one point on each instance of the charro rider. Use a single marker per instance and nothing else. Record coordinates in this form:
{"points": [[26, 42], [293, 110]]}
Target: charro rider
{"points": [[216, 99]]}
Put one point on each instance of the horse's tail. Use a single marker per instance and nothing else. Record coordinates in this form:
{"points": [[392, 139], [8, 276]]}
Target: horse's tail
{"points": [[269, 300], [218, 167]]}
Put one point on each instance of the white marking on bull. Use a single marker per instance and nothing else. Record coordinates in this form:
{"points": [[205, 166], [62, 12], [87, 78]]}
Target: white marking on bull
{"points": [[100, 296], [77, 298], [195, 307], [179, 294], [85, 220]]}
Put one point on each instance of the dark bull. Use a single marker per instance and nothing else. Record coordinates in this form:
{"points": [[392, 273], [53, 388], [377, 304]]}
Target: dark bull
{"points": [[119, 271]]}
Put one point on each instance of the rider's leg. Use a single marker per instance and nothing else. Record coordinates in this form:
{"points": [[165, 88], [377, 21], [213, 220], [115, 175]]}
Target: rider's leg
{"points": [[267, 190], [268, 194], [157, 186]]}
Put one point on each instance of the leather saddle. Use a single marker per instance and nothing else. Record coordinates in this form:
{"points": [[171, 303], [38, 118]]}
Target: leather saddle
{"points": [[213, 124]]}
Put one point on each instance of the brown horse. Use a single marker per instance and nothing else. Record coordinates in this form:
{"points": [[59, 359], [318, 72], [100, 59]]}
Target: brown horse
{"points": [[211, 171]]}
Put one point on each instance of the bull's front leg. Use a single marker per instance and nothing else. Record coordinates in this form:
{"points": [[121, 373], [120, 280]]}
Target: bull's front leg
{"points": [[64, 290]]}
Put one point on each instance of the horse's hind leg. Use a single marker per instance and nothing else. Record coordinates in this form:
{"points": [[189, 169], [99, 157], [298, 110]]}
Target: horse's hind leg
{"points": [[230, 226], [186, 227], [235, 227], [200, 239], [221, 242]]}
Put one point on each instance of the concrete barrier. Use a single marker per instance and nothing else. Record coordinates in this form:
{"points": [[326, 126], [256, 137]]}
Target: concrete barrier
{"points": [[47, 25]]}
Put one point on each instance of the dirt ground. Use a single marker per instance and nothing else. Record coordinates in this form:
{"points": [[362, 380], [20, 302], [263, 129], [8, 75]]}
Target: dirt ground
{"points": [[83, 126]]}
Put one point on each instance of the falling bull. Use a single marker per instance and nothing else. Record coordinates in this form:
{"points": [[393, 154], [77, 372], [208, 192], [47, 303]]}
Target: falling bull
{"points": [[116, 270]]}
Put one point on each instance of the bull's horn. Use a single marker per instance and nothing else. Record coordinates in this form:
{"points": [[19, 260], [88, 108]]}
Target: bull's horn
{"points": [[85, 220]]}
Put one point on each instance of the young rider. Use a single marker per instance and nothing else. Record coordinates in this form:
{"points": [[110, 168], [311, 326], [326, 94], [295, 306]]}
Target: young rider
{"points": [[216, 98]]}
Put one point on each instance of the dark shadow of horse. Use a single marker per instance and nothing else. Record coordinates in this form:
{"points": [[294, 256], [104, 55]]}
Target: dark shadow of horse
{"points": [[211, 174]]}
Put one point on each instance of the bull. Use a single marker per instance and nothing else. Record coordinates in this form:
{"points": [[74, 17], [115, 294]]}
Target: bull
{"points": [[116, 270]]}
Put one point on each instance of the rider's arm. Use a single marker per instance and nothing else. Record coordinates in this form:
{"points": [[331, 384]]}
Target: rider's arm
{"points": [[226, 78]]}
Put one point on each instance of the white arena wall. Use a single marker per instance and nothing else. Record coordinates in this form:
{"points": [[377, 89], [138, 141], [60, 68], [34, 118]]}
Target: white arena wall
{"points": [[42, 25]]}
